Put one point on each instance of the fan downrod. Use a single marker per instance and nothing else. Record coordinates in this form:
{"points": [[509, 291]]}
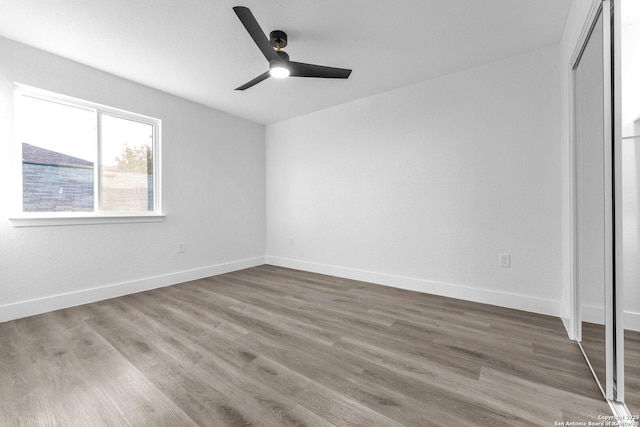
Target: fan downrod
{"points": [[278, 39]]}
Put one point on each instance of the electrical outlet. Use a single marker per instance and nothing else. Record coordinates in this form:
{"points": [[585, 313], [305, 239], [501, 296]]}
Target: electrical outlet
{"points": [[181, 248], [504, 260]]}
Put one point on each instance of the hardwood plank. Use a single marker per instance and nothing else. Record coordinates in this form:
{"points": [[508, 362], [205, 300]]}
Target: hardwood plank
{"points": [[494, 397], [269, 346], [352, 406], [198, 398], [348, 325], [572, 408]]}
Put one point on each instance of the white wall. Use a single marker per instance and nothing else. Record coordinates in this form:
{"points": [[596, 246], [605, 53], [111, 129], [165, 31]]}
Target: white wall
{"points": [[422, 187], [213, 196]]}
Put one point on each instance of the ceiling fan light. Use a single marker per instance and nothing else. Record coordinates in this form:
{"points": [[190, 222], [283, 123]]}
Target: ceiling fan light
{"points": [[279, 71]]}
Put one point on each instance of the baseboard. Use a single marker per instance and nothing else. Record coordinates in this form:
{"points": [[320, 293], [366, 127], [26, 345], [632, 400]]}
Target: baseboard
{"points": [[593, 314], [632, 320], [485, 296], [56, 302]]}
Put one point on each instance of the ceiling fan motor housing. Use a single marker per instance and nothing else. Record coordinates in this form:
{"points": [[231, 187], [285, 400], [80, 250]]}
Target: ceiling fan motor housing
{"points": [[283, 62], [276, 37], [284, 57]]}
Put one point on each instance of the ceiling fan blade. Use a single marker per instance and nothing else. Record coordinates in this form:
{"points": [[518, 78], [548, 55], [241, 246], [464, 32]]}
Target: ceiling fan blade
{"points": [[255, 81], [299, 69], [256, 33]]}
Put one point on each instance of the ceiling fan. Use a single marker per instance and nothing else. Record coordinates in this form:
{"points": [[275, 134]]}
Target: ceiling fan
{"points": [[279, 64]]}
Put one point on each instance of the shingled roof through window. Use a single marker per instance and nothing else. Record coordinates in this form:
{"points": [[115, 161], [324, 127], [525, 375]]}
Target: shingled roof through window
{"points": [[42, 156]]}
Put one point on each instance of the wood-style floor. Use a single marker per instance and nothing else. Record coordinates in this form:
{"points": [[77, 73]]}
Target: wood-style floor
{"points": [[274, 347], [632, 371], [593, 342]]}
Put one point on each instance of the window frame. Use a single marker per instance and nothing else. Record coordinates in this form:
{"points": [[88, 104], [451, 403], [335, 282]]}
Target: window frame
{"points": [[98, 216]]}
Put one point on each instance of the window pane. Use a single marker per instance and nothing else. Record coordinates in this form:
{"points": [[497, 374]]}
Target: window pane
{"points": [[127, 165], [58, 154]]}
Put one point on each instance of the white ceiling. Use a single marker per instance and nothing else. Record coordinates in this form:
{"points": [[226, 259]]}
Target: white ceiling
{"points": [[199, 50], [630, 12]]}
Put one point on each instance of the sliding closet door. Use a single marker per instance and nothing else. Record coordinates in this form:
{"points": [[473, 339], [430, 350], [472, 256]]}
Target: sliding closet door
{"points": [[594, 201]]}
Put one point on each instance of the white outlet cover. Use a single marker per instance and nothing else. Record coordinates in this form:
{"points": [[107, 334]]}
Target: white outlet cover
{"points": [[504, 260]]}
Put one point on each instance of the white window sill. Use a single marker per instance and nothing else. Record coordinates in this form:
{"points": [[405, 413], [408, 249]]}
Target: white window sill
{"points": [[47, 220]]}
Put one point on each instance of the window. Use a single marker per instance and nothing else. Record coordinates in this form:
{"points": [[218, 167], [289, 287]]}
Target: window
{"points": [[80, 159]]}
